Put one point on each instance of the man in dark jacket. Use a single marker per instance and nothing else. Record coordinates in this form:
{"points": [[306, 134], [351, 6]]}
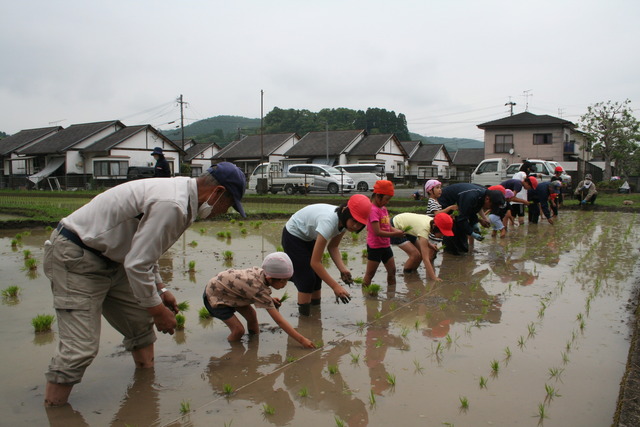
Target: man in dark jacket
{"points": [[471, 200], [539, 199], [162, 169]]}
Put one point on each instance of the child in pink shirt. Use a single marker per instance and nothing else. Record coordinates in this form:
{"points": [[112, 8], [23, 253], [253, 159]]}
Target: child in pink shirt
{"points": [[379, 232]]}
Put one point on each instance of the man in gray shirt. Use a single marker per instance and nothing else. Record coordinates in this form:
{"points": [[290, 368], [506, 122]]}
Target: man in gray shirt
{"points": [[102, 260]]}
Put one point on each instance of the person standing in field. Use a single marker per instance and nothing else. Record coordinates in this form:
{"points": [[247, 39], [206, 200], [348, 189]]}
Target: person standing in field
{"points": [[305, 237], [162, 168], [102, 260], [379, 233]]}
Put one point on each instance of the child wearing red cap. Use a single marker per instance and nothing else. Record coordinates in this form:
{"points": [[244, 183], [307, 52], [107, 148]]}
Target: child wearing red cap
{"points": [[379, 233], [421, 235]]}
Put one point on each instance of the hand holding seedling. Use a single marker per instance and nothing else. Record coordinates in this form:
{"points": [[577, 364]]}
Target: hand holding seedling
{"points": [[163, 318], [170, 301], [307, 343], [277, 302]]}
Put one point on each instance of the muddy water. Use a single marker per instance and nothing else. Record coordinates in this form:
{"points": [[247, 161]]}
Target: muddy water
{"points": [[544, 307]]}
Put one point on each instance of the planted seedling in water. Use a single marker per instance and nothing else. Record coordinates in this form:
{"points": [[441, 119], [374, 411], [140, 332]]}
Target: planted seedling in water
{"points": [[551, 393], [379, 343], [243, 231], [532, 329], [483, 382], [507, 353], [542, 413], [358, 280], [464, 403], [404, 332], [268, 409], [339, 421], [42, 322], [521, 341], [227, 255], [333, 369], [365, 253], [304, 392], [193, 244], [555, 373], [204, 314], [391, 379], [221, 234], [372, 398], [345, 256], [417, 365], [185, 407], [26, 253], [11, 292], [183, 306], [373, 289], [192, 266], [30, 264], [495, 367], [180, 320], [227, 389], [291, 359], [355, 358]]}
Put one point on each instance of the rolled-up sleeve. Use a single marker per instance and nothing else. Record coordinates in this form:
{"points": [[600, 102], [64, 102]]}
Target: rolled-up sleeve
{"points": [[160, 227]]}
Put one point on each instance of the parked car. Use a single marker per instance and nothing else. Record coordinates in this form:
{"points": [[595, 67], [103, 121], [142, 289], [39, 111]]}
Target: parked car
{"points": [[490, 172], [275, 180], [139, 172], [364, 175], [322, 177], [544, 171]]}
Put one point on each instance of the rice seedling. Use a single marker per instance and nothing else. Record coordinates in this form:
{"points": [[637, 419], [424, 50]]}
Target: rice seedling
{"points": [[372, 398], [227, 389], [365, 253], [495, 367], [243, 231], [192, 266], [541, 312], [257, 224], [183, 306], [358, 280], [354, 236], [456, 295], [11, 292], [582, 325], [378, 315], [30, 264], [232, 221], [227, 255], [416, 325], [483, 382], [507, 352], [291, 359], [303, 392], [180, 321], [339, 421], [391, 379], [373, 289], [360, 324], [204, 314], [325, 257], [228, 425], [404, 332], [26, 253], [185, 407], [551, 393], [284, 297], [318, 343], [193, 243], [14, 243], [442, 306], [227, 234], [378, 343], [542, 412], [418, 367], [221, 234], [240, 223], [521, 341], [448, 339], [555, 373], [565, 358], [531, 327], [42, 322], [268, 409], [279, 248], [203, 230], [344, 255], [464, 403], [333, 369], [579, 317], [393, 306], [568, 345]]}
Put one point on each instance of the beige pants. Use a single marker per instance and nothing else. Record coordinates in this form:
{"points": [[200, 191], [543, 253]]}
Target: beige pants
{"points": [[85, 287]]}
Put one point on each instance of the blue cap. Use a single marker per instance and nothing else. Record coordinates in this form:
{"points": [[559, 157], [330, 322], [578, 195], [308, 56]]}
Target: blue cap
{"points": [[231, 177], [156, 150]]}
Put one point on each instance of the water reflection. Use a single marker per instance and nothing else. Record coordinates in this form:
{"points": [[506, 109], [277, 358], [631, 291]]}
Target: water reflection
{"points": [[140, 404]]}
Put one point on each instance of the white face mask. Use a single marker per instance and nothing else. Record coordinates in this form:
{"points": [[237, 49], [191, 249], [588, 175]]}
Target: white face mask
{"points": [[205, 208]]}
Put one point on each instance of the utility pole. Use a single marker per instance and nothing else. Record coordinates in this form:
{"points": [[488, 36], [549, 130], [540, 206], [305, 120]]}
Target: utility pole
{"points": [[511, 104], [181, 102], [261, 130], [526, 94]]}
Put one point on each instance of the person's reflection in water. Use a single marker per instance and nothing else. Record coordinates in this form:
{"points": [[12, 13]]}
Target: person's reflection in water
{"points": [[64, 416], [326, 392], [240, 366], [378, 340], [140, 405]]}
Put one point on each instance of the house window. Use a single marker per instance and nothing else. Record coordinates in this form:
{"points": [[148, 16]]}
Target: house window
{"points": [[504, 143], [196, 171], [427, 172], [399, 169], [110, 168], [541, 138]]}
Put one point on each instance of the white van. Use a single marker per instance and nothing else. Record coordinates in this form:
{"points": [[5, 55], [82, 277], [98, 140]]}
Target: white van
{"points": [[322, 177], [364, 175], [490, 172]]}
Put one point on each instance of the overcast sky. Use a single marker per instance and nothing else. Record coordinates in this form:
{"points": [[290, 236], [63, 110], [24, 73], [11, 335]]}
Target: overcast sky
{"points": [[448, 65]]}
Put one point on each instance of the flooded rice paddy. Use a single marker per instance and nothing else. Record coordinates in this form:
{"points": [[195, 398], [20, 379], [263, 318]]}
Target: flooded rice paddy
{"points": [[528, 330]]}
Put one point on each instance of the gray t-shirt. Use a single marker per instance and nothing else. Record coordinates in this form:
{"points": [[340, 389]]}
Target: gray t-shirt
{"points": [[312, 220]]}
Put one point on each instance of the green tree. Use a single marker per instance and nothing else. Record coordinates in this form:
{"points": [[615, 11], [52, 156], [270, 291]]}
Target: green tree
{"points": [[612, 129]]}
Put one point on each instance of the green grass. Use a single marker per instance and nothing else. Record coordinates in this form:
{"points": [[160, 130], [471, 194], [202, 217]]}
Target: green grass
{"points": [[43, 322]]}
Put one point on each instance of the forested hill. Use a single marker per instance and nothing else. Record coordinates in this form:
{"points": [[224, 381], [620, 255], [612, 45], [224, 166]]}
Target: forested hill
{"points": [[225, 129]]}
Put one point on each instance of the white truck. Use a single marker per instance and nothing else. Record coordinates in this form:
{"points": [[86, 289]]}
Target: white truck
{"points": [[494, 171], [276, 180]]}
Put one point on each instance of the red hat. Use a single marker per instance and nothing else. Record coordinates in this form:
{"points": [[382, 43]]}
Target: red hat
{"points": [[360, 207], [383, 187], [559, 169], [444, 222], [533, 181], [500, 188]]}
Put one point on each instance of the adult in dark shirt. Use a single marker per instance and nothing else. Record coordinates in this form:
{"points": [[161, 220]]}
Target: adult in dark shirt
{"points": [[539, 199], [472, 200], [162, 169]]}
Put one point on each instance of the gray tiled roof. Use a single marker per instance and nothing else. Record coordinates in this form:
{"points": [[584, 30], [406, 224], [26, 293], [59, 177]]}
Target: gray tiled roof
{"points": [[314, 144], [410, 146], [526, 119], [371, 145], [426, 152], [67, 138], [24, 137], [249, 147], [196, 149], [468, 156], [110, 141]]}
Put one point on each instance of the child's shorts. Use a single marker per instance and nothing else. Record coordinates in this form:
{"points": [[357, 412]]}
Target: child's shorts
{"points": [[223, 313], [400, 240], [379, 254], [496, 222], [517, 209]]}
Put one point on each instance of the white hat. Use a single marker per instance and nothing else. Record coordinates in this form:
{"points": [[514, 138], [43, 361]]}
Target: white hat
{"points": [[278, 265]]}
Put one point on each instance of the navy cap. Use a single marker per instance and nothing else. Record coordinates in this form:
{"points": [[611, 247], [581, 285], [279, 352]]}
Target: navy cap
{"points": [[156, 150], [232, 178]]}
